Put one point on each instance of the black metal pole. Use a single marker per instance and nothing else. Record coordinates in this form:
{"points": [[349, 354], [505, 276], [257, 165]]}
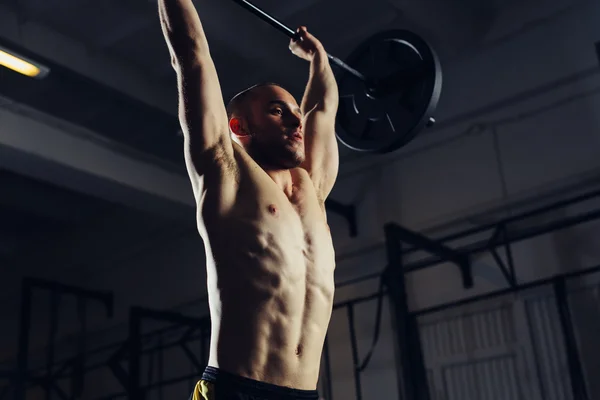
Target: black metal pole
{"points": [[135, 347], [328, 386], [536, 355], [135, 350], [161, 368], [517, 236], [78, 378], [434, 247], [104, 297], [56, 289], [4, 391], [354, 345], [280, 26], [509, 255], [578, 385], [24, 327], [54, 305], [499, 293], [412, 382]]}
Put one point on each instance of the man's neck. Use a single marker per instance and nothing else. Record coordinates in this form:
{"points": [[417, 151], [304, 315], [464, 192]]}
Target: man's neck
{"points": [[281, 177]]}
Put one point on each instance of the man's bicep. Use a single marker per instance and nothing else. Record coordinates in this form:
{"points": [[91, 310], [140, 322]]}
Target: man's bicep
{"points": [[322, 157], [202, 112]]}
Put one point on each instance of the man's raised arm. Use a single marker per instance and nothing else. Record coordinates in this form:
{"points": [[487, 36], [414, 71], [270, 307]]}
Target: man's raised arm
{"points": [[319, 105], [202, 113]]}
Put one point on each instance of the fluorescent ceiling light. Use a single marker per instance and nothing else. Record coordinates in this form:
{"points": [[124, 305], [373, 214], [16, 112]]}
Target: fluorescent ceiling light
{"points": [[22, 65]]}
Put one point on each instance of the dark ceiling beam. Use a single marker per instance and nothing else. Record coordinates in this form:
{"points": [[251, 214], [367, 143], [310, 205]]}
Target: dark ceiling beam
{"points": [[78, 163], [103, 240], [47, 201]]}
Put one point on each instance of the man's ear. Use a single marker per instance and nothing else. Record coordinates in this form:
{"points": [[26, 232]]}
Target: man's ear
{"points": [[236, 126]]}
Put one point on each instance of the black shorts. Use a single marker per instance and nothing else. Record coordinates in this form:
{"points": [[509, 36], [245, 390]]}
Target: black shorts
{"points": [[219, 385]]}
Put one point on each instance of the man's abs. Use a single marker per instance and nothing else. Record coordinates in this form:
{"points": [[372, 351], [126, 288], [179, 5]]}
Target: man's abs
{"points": [[270, 269]]}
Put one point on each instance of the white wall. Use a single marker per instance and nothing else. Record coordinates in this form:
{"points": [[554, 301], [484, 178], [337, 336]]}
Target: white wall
{"points": [[527, 148]]}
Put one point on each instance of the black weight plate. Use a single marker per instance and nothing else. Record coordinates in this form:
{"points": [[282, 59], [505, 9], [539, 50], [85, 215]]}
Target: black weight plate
{"points": [[388, 112]]}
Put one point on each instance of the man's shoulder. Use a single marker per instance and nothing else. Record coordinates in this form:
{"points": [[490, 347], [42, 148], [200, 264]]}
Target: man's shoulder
{"points": [[301, 173], [303, 179]]}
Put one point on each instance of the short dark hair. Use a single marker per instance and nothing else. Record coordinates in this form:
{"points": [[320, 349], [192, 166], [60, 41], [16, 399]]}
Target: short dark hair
{"points": [[238, 104]]}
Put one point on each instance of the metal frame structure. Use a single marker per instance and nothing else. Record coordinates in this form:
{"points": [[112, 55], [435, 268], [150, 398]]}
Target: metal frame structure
{"points": [[47, 378], [137, 315], [400, 243], [504, 233]]}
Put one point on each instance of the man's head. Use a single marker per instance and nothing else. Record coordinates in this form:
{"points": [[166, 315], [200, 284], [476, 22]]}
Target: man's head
{"points": [[267, 121]]}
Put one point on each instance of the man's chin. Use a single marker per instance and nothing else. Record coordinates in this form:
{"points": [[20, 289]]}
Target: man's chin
{"points": [[295, 163], [286, 157], [294, 160]]}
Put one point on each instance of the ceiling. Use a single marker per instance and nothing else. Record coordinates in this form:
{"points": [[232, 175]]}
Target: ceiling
{"points": [[244, 48], [245, 51]]}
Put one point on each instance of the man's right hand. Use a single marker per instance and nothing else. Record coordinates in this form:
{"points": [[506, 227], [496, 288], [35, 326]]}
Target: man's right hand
{"points": [[306, 46]]}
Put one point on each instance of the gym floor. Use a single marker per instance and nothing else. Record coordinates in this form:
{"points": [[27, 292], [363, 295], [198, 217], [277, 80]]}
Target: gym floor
{"points": [[467, 260]]}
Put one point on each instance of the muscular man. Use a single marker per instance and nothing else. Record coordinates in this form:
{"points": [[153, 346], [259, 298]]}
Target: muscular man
{"points": [[261, 170]]}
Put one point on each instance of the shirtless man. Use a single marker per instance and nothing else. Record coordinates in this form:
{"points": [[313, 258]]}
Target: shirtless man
{"points": [[261, 170]]}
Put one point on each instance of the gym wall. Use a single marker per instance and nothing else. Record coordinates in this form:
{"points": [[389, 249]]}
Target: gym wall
{"points": [[523, 129]]}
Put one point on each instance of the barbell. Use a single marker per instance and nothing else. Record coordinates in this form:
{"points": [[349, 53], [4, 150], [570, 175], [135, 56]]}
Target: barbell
{"points": [[389, 88]]}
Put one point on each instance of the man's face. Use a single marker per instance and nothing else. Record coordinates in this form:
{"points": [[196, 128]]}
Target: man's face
{"points": [[275, 125]]}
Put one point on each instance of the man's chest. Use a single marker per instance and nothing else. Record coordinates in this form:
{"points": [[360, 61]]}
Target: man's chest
{"points": [[294, 214], [296, 211]]}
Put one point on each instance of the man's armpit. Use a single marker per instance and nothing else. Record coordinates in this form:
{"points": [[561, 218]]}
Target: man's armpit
{"points": [[216, 160]]}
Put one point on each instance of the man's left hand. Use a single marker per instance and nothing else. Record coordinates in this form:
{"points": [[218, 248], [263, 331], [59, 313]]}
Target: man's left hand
{"points": [[306, 46]]}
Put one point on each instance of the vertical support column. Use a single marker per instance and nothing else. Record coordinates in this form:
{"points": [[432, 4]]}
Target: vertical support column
{"points": [[328, 386], [135, 354], [161, 367], [53, 312], [578, 385], [78, 378], [4, 391], [412, 377], [135, 347], [354, 345], [56, 289], [24, 328]]}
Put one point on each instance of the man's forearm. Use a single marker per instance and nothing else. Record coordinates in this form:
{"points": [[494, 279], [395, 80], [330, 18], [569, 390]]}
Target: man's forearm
{"points": [[322, 89], [182, 28]]}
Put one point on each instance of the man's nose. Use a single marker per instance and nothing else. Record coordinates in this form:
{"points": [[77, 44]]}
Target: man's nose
{"points": [[295, 120]]}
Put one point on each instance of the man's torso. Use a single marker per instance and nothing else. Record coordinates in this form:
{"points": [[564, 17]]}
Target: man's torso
{"points": [[270, 263]]}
